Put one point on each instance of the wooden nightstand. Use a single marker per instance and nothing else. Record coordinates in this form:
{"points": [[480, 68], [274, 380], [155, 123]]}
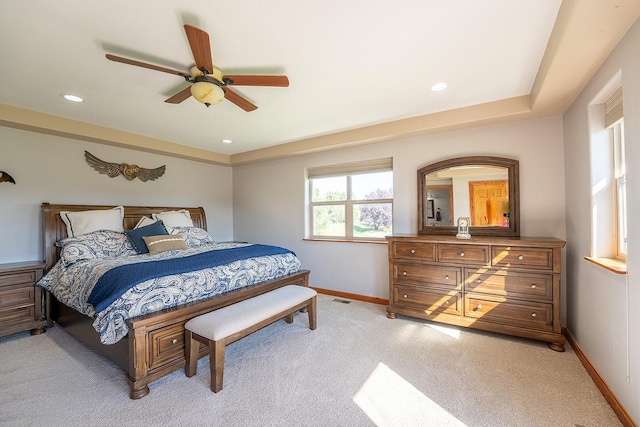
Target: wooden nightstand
{"points": [[20, 301]]}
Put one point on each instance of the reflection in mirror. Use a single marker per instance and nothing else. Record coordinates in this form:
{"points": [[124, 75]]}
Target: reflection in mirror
{"points": [[483, 188]]}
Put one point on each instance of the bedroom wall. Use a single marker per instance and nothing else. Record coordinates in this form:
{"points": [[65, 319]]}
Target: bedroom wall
{"points": [[602, 314], [269, 197], [53, 169]]}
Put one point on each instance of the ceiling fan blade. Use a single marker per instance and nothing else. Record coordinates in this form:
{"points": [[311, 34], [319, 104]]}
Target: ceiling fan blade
{"points": [[145, 65], [180, 96], [200, 47], [280, 81], [238, 100]]}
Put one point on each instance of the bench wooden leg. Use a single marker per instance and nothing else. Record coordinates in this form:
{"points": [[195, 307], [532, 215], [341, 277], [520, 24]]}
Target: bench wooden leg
{"points": [[312, 313], [289, 318], [216, 362], [192, 348]]}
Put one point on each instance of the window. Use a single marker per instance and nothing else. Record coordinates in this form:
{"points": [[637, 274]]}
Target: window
{"points": [[608, 184], [351, 201], [620, 205], [614, 120]]}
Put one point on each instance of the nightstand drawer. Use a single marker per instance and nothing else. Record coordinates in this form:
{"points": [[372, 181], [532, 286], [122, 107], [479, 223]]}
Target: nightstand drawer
{"points": [[17, 278], [16, 315], [19, 296]]}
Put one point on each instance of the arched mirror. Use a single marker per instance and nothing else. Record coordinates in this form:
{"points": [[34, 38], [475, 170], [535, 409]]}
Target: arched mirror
{"points": [[482, 188]]}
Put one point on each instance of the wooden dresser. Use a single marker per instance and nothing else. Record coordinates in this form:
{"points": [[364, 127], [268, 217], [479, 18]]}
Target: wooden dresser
{"points": [[21, 303], [505, 285]]}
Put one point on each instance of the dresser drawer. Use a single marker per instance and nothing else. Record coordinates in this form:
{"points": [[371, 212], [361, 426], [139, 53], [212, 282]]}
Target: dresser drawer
{"points": [[16, 315], [500, 310], [428, 301], [417, 251], [17, 296], [17, 278], [523, 257], [166, 344], [468, 254], [508, 283], [450, 277]]}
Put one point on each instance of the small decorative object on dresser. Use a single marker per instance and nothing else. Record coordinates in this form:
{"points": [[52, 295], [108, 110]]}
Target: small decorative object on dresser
{"points": [[463, 228], [497, 284], [20, 301]]}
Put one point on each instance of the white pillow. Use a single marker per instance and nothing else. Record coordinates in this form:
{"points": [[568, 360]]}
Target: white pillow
{"points": [[181, 218], [84, 222], [144, 221]]}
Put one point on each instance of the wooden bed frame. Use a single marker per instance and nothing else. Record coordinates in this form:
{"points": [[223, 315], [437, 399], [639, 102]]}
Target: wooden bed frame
{"points": [[155, 344]]}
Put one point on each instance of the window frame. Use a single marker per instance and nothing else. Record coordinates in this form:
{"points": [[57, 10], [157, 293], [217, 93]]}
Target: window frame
{"points": [[619, 180], [347, 170]]}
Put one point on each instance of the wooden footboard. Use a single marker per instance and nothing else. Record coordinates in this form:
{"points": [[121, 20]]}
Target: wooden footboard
{"points": [[154, 346]]}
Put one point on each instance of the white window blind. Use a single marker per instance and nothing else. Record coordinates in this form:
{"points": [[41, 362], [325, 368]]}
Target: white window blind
{"points": [[613, 108], [353, 168]]}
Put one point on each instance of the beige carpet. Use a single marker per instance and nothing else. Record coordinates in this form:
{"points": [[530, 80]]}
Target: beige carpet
{"points": [[357, 369]]}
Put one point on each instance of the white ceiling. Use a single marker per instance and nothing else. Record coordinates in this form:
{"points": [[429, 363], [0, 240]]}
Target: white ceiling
{"points": [[351, 64]]}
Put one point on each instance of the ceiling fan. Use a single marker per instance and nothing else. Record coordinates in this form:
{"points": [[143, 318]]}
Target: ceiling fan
{"points": [[208, 84]]}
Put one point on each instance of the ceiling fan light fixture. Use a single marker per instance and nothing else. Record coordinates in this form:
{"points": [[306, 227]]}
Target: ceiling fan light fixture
{"points": [[195, 72], [207, 93]]}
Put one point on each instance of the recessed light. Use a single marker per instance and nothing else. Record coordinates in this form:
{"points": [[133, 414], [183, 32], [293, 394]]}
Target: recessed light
{"points": [[439, 86], [73, 98], [227, 141]]}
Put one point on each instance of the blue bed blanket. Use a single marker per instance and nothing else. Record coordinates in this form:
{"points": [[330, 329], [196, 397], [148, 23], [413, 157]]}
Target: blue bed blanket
{"points": [[118, 280]]}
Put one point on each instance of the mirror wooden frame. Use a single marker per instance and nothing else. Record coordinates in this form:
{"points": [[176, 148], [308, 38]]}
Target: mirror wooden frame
{"points": [[513, 172]]}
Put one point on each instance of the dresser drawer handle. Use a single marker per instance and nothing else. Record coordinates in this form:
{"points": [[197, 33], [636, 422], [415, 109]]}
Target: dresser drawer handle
{"points": [[174, 341], [446, 277], [461, 253], [404, 273], [447, 302], [520, 257], [405, 296], [533, 315], [478, 307], [479, 280], [413, 251], [533, 286]]}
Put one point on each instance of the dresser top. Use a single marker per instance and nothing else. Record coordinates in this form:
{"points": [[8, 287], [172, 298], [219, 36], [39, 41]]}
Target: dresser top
{"points": [[480, 240], [16, 266]]}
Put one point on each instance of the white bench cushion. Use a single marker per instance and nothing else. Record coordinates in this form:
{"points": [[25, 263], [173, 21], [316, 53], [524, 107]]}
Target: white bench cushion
{"points": [[234, 318]]}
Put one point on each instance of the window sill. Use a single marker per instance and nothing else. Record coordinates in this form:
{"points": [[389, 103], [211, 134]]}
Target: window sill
{"points": [[384, 242], [615, 265]]}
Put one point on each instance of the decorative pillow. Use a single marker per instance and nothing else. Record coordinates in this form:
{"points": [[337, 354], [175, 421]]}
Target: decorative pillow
{"points": [[84, 222], [181, 218], [94, 245], [156, 228], [144, 221], [157, 244], [194, 236]]}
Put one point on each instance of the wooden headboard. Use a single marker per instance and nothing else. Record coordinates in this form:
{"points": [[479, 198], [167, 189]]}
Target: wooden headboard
{"points": [[54, 228]]}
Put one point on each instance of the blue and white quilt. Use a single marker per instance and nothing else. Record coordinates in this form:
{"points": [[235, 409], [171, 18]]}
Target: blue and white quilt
{"points": [[73, 282]]}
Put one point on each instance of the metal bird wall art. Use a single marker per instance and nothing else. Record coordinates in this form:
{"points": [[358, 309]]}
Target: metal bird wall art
{"points": [[5, 177], [130, 172]]}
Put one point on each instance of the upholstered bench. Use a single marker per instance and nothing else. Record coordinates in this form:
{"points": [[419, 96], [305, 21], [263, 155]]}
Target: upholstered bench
{"points": [[228, 324]]}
